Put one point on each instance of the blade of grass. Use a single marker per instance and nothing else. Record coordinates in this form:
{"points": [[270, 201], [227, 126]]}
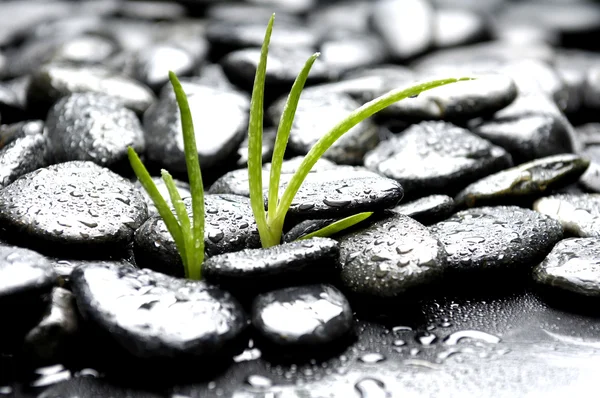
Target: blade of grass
{"points": [[161, 204], [357, 116], [195, 178], [283, 134], [255, 131], [181, 212], [338, 226]]}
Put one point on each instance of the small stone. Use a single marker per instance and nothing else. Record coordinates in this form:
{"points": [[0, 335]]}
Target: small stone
{"points": [[309, 316], [220, 123], [211, 75], [65, 266], [316, 114], [268, 144], [458, 26], [26, 279], [579, 214], [154, 316], [391, 257], [406, 26], [94, 127], [573, 265], [50, 339], [524, 182], [573, 66], [229, 227], [496, 238], [427, 210], [182, 187], [151, 10], [306, 227], [70, 207], [436, 158], [349, 51], [273, 267], [23, 148], [54, 81]]}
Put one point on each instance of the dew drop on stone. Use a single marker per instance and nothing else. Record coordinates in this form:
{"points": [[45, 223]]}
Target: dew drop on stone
{"points": [[426, 338], [454, 338], [336, 203], [51, 375], [258, 381], [400, 329], [215, 236], [372, 357], [371, 388], [399, 343]]}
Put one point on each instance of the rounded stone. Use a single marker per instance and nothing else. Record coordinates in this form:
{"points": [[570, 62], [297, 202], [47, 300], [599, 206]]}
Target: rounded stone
{"points": [[304, 316], [390, 257], [496, 238], [427, 210], [72, 206], [154, 316], [573, 265], [579, 214]]}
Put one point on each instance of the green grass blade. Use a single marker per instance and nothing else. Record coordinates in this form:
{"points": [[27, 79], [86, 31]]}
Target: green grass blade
{"points": [[283, 134], [181, 212], [338, 226], [195, 178], [255, 131], [161, 204], [360, 114]]}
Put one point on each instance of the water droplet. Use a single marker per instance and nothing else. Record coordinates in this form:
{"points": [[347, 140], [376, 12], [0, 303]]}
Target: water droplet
{"points": [[51, 375], [336, 203], [454, 338], [426, 338], [215, 236], [373, 357], [399, 343], [258, 381], [400, 329], [371, 388]]}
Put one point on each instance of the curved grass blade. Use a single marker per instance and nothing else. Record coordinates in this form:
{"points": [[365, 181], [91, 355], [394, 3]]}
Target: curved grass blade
{"points": [[161, 204], [360, 114], [283, 134], [255, 131], [195, 178], [338, 226], [184, 220]]}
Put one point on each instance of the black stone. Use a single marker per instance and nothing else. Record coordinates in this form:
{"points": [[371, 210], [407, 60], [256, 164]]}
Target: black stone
{"points": [[283, 66], [182, 187], [268, 144], [94, 127], [572, 265], [63, 267], [306, 227], [229, 227], [291, 6], [343, 51], [391, 257], [464, 100], [274, 267], [497, 238], [525, 182], [406, 26], [591, 178], [54, 81], [235, 12], [211, 75], [151, 10], [310, 316], [26, 280], [220, 123], [456, 26], [316, 114], [23, 148], [74, 207], [427, 210], [436, 157], [154, 316], [52, 338], [573, 67], [579, 214]]}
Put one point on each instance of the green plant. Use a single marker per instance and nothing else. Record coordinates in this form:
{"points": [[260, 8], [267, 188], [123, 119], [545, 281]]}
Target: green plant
{"points": [[189, 235]]}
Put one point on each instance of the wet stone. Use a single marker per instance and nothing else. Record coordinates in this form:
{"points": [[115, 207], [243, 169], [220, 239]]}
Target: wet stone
{"points": [[26, 280], [50, 339], [63, 267], [345, 51], [531, 127], [496, 238], [268, 145], [235, 12], [291, 6], [306, 227], [457, 101], [591, 88], [51, 82], [309, 316], [591, 178], [572, 66], [11, 109], [94, 127], [406, 26], [236, 182], [229, 227], [151, 10], [436, 157], [182, 186], [316, 114], [573, 265], [220, 122], [273, 267], [579, 214], [74, 207], [458, 26], [427, 210], [589, 133], [391, 257], [154, 316], [23, 148], [283, 66], [524, 182], [211, 75]]}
